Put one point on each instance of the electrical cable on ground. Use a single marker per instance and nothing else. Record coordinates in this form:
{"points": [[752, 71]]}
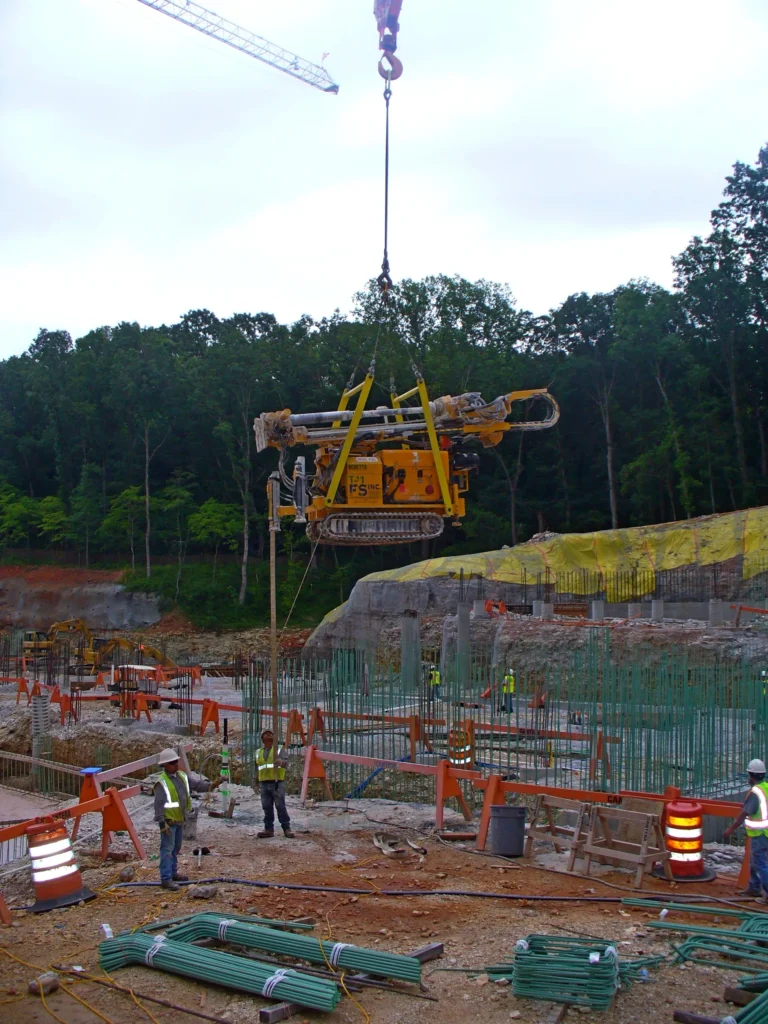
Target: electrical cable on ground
{"points": [[291, 886]]}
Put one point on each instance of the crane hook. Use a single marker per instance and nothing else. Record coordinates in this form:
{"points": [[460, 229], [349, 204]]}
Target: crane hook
{"points": [[395, 68]]}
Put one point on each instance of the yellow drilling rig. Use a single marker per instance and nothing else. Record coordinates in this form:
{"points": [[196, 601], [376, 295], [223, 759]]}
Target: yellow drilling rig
{"points": [[393, 474]]}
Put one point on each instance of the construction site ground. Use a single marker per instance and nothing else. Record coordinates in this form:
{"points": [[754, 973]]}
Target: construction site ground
{"points": [[333, 847]]}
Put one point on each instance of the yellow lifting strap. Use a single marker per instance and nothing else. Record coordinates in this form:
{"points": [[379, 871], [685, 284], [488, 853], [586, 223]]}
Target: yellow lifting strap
{"points": [[435, 446], [365, 389]]}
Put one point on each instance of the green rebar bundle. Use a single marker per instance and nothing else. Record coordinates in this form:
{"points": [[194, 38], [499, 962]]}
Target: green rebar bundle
{"points": [[729, 948], [217, 968], [302, 947], [563, 970]]}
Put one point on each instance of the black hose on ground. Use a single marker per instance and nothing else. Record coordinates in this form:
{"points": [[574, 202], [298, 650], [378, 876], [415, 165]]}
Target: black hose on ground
{"points": [[382, 892]]}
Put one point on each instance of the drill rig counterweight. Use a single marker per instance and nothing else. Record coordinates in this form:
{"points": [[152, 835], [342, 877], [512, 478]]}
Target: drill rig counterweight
{"points": [[393, 474]]}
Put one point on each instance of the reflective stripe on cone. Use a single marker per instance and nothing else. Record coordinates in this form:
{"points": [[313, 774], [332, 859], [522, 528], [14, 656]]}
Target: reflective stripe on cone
{"points": [[55, 874]]}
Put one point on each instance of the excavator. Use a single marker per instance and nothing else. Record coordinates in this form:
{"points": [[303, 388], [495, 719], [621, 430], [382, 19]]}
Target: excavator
{"points": [[393, 474], [95, 650]]}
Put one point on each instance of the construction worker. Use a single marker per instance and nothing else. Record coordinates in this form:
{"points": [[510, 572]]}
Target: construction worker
{"points": [[172, 805], [434, 683], [508, 692], [271, 768], [754, 816]]}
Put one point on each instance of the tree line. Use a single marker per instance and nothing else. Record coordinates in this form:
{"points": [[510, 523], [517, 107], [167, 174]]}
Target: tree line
{"points": [[138, 440]]}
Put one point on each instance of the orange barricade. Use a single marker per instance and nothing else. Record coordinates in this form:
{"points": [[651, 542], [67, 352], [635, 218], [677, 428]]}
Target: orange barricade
{"points": [[295, 727], [210, 714], [5, 914], [446, 775], [114, 818], [316, 724]]}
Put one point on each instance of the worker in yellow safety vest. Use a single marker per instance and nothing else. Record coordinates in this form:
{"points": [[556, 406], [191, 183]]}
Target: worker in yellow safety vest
{"points": [[754, 816], [434, 683], [172, 806], [508, 692], [271, 766]]}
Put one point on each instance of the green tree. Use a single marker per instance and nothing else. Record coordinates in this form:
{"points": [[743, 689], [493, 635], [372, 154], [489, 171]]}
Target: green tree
{"points": [[19, 516], [55, 524], [121, 522], [86, 507], [177, 505], [216, 523]]}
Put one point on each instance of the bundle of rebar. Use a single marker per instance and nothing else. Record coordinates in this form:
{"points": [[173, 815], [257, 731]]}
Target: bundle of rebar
{"points": [[301, 947], [218, 968], [747, 950], [562, 970]]}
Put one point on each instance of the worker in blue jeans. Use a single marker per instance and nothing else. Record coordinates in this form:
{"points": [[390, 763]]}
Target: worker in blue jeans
{"points": [[172, 805], [754, 817]]}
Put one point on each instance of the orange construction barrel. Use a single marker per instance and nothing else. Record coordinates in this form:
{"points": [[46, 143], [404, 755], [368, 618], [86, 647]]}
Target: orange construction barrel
{"points": [[684, 840]]}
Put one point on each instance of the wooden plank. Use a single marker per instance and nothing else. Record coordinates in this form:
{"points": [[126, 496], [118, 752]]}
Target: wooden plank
{"points": [[280, 1011], [683, 1017], [739, 996]]}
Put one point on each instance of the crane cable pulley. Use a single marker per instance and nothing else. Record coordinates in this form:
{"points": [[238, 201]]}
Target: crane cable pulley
{"points": [[386, 13]]}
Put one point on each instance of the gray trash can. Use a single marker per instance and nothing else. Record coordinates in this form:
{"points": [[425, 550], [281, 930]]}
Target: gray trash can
{"points": [[507, 830]]}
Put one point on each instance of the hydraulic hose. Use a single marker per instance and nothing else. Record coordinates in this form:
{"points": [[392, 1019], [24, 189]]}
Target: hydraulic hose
{"points": [[345, 890]]}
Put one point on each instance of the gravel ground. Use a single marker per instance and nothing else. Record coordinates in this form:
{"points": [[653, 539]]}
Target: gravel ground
{"points": [[333, 847]]}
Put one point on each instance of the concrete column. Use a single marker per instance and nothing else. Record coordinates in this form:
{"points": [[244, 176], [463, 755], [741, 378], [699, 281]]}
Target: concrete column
{"points": [[547, 610], [462, 643], [657, 611], [597, 611], [716, 612], [537, 607], [634, 610], [410, 651]]}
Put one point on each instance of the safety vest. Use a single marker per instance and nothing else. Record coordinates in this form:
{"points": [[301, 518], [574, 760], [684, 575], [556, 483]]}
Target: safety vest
{"points": [[172, 809], [508, 684], [265, 761], [434, 677], [759, 826]]}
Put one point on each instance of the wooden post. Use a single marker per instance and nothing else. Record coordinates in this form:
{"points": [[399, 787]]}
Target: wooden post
{"points": [[273, 491]]}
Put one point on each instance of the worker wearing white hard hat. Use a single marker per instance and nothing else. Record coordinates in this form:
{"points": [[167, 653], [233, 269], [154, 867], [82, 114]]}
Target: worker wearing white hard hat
{"points": [[754, 817], [172, 805]]}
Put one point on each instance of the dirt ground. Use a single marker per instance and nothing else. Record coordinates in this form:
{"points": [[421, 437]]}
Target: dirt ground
{"points": [[333, 848]]}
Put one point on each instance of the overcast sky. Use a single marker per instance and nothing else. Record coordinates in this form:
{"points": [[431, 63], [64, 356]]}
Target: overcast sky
{"points": [[554, 145]]}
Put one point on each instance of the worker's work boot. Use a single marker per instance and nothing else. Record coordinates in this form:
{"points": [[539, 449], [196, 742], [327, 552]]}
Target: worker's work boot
{"points": [[287, 833], [266, 835], [181, 878], [168, 883], [749, 892]]}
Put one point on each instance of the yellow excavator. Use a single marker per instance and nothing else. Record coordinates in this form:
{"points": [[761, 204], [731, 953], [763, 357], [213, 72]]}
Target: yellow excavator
{"points": [[393, 474], [38, 641], [95, 650]]}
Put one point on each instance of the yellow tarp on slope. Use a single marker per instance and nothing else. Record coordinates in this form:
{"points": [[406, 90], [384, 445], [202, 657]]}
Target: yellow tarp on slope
{"points": [[702, 541]]}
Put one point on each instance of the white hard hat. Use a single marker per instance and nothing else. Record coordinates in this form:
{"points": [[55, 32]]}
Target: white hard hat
{"points": [[756, 767], [168, 755]]}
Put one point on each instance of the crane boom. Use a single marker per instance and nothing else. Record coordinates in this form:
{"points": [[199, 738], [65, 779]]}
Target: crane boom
{"points": [[212, 24]]}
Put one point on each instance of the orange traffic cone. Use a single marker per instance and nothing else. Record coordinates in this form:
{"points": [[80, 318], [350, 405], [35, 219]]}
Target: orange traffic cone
{"points": [[55, 874]]}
